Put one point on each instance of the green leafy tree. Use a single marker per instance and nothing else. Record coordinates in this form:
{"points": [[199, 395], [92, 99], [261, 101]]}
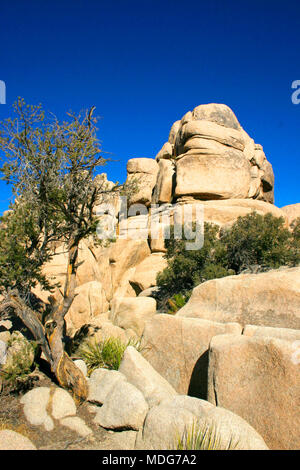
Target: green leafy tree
{"points": [[51, 166], [258, 242]]}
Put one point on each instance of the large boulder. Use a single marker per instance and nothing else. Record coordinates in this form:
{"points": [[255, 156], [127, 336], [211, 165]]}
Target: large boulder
{"points": [[177, 348], [141, 374], [145, 273], [224, 176], [124, 256], [142, 173], [227, 211], [219, 113], [90, 301], [101, 383], [267, 299], [192, 133], [267, 332], [164, 187], [169, 421], [215, 157], [42, 404], [124, 408], [166, 152], [132, 312], [36, 407], [257, 378]]}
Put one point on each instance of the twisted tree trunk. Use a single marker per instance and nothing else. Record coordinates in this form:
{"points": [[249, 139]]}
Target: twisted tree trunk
{"points": [[50, 338]]}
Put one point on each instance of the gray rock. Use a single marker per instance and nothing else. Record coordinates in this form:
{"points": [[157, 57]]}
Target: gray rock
{"points": [[265, 331], [124, 408], [166, 423], [76, 424], [62, 404], [102, 382], [142, 375], [35, 407], [258, 379]]}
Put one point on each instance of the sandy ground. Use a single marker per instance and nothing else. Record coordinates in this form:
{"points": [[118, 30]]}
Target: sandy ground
{"points": [[61, 438]]}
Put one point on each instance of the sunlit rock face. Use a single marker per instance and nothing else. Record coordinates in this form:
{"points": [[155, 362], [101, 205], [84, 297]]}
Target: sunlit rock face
{"points": [[208, 158], [214, 158]]}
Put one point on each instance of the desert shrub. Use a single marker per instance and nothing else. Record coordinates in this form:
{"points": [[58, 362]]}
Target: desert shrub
{"points": [[258, 240], [204, 436], [254, 242], [15, 373], [187, 268], [106, 354]]}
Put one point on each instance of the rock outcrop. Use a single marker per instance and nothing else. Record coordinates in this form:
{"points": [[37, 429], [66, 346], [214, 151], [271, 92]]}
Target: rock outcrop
{"points": [[256, 378], [177, 348], [266, 299], [208, 159], [215, 158], [137, 398]]}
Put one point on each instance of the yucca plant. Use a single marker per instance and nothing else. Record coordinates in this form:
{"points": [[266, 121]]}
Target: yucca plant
{"points": [[106, 354], [204, 436]]}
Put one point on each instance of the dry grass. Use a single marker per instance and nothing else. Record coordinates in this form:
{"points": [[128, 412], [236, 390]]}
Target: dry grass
{"points": [[20, 428]]}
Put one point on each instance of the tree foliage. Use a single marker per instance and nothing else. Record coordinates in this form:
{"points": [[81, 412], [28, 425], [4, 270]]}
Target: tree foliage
{"points": [[51, 166], [261, 240]]}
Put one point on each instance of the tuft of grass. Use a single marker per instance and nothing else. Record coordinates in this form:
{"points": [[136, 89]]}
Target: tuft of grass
{"points": [[106, 354], [204, 436]]}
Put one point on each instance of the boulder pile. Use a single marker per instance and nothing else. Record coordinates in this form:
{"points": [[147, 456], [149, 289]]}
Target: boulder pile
{"points": [[229, 359]]}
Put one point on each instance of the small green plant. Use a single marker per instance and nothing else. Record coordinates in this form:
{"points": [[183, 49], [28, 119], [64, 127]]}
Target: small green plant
{"points": [[204, 436], [18, 367], [106, 354], [176, 302]]}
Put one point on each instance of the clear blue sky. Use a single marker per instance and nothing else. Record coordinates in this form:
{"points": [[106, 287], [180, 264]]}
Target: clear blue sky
{"points": [[143, 64]]}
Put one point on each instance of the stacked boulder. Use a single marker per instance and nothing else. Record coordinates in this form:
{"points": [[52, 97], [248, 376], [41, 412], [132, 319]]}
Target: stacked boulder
{"points": [[208, 156]]}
